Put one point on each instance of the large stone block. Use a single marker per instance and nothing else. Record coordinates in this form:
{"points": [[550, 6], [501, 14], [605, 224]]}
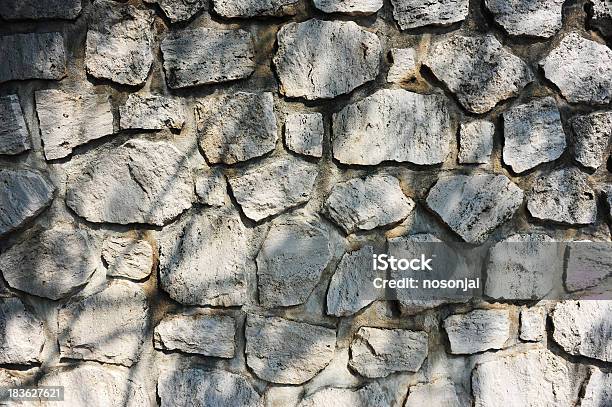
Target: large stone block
{"points": [[536, 18], [351, 7], [478, 331], [304, 133], [255, 8], [21, 334], [32, 56], [14, 135], [152, 112], [418, 13], [40, 10], [180, 10], [370, 395], [593, 133]]}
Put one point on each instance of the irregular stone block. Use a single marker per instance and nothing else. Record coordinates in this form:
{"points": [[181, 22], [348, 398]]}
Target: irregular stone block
{"points": [[208, 335], [371, 395], [350, 7], [476, 142], [24, 194], [533, 134], [140, 182], [600, 16], [593, 133], [204, 259], [40, 10], [304, 133], [21, 334], [255, 8], [151, 113], [119, 43], [539, 18], [478, 70], [127, 257], [211, 188], [52, 263], [473, 206], [439, 393], [108, 326], [14, 135], [533, 324], [32, 56], [238, 127], [583, 328], [404, 67], [563, 196], [70, 120], [17, 378], [274, 186], [380, 352], [598, 390], [355, 204], [323, 59], [180, 10], [478, 331], [418, 13], [581, 69], [291, 261], [393, 125], [226, 55], [588, 264], [288, 352]]}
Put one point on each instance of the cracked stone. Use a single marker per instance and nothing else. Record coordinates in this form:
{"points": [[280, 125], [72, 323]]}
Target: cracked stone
{"points": [[593, 133], [371, 395], [478, 331], [211, 188], [179, 10], [255, 8], [588, 264], [350, 7], [32, 56], [476, 142], [418, 13], [11, 10], [533, 324], [539, 18], [21, 334], [151, 113], [438, 393], [127, 257], [304, 133], [598, 391], [404, 67], [14, 135]]}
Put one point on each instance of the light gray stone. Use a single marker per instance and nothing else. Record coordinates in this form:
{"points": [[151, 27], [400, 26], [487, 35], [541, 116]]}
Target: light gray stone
{"points": [[350, 7], [356, 204], [52, 263], [588, 264], [119, 43], [583, 328], [14, 135], [68, 120], [183, 386], [600, 13], [473, 206], [539, 18], [226, 55], [238, 127], [478, 70], [291, 261], [405, 65], [21, 334], [380, 352], [16, 378], [370, 395], [32, 56], [323, 59], [563, 196], [533, 324], [211, 188], [581, 69], [139, 182], [393, 125], [476, 142], [593, 133], [478, 331], [204, 260], [108, 326], [151, 112], [287, 352], [304, 133], [440, 393], [273, 186], [255, 8], [24, 194], [533, 134], [127, 257], [598, 391], [40, 10], [208, 335], [418, 13], [180, 10]]}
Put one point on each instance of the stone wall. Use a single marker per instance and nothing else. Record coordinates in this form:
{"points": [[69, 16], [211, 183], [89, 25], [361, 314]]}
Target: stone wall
{"points": [[188, 189]]}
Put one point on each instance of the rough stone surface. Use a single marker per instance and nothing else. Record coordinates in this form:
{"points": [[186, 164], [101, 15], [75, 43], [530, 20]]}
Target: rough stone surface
{"points": [[151, 113], [52, 263], [494, 73], [583, 328], [108, 326], [204, 259], [371, 395], [127, 257], [588, 264], [24, 194], [533, 134], [291, 261], [14, 135], [393, 125], [323, 59], [593, 133], [563, 196], [139, 182], [581, 69], [238, 127], [226, 55], [119, 43], [208, 335], [269, 188], [255, 8], [533, 324], [21, 334], [477, 331], [211, 188], [404, 67], [181, 387], [356, 204], [473, 206], [440, 393], [180, 10], [380, 352], [418, 13], [476, 142], [40, 10], [69, 120], [601, 16], [288, 352], [539, 18], [304, 133], [32, 56], [598, 392], [351, 7]]}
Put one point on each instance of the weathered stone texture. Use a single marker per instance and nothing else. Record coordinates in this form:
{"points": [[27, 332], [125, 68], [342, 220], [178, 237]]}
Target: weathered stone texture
{"points": [[476, 142], [255, 8], [14, 135], [32, 56], [598, 391], [600, 12], [180, 10], [440, 393], [478, 331], [539, 18], [351, 7], [533, 324], [588, 264], [371, 395], [127, 257], [593, 133], [21, 334], [304, 133], [40, 10], [323, 59], [211, 188], [405, 65], [393, 125], [418, 13], [151, 113]]}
